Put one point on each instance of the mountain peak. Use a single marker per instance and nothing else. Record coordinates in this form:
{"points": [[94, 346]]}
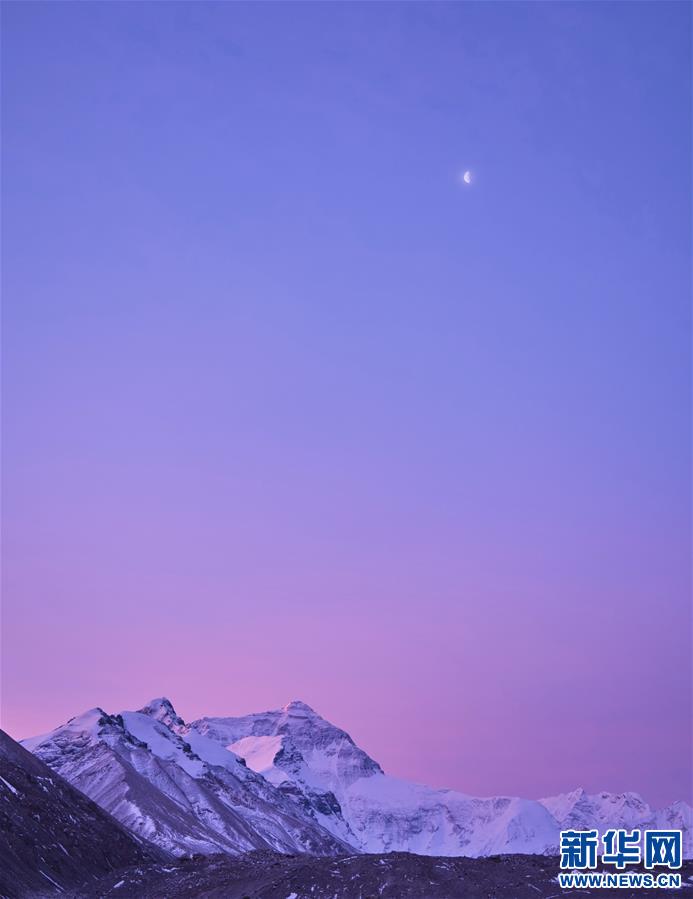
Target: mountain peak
{"points": [[161, 709], [298, 708], [87, 717], [158, 704], [89, 722]]}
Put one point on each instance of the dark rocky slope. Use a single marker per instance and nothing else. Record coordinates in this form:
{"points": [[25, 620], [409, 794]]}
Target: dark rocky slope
{"points": [[262, 875], [52, 837]]}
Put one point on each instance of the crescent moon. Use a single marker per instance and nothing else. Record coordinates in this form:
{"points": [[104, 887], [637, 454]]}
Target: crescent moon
{"points": [[467, 177]]}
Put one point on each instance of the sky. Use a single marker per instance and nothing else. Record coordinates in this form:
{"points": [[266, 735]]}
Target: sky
{"points": [[290, 412]]}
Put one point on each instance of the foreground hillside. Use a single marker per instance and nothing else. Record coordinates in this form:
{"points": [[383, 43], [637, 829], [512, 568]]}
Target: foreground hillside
{"points": [[51, 836], [260, 875]]}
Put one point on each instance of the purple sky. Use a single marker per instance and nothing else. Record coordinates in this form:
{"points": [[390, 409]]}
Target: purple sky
{"points": [[291, 413]]}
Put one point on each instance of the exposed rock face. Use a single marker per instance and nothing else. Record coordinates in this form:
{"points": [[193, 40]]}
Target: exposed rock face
{"points": [[52, 837]]}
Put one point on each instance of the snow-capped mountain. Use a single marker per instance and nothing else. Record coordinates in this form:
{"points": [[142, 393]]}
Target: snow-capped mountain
{"points": [[318, 764], [186, 795], [299, 752], [291, 780], [579, 810]]}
